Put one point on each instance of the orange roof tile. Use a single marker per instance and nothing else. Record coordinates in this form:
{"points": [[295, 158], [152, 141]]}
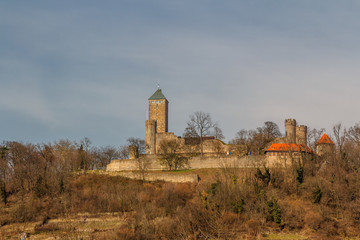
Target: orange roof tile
{"points": [[325, 139], [286, 147]]}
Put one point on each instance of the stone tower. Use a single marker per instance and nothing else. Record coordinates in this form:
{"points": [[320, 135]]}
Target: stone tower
{"points": [[325, 145], [301, 134], [133, 152], [158, 111], [150, 128], [158, 120], [290, 130]]}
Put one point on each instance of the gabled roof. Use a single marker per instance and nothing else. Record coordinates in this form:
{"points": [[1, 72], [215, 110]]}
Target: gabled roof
{"points": [[157, 95], [286, 147], [325, 139]]}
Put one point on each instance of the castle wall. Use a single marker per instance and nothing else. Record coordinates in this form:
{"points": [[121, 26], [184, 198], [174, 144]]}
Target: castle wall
{"points": [[324, 149], [194, 163], [168, 177], [164, 136], [210, 146]]}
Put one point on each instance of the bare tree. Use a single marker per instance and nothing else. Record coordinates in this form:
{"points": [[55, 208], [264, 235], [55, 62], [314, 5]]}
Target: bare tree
{"points": [[102, 156], [354, 133], [170, 155], [124, 152], [256, 140], [201, 124], [140, 143], [245, 140], [340, 135], [217, 133], [143, 164], [66, 153], [82, 159], [86, 142], [313, 136], [271, 130]]}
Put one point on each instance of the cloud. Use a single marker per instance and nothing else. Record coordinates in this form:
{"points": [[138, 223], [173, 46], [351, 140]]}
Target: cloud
{"points": [[87, 68]]}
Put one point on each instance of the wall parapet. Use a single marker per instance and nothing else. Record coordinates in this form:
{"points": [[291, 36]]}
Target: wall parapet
{"points": [[153, 163], [167, 177]]}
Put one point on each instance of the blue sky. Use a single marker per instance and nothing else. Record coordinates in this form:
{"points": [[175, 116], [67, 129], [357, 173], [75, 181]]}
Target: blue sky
{"points": [[75, 69]]}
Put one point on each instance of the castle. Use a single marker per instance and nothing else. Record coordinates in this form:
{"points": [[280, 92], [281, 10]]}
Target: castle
{"points": [[157, 131], [283, 151]]}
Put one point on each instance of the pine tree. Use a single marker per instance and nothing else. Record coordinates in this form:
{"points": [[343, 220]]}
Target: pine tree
{"points": [[3, 192]]}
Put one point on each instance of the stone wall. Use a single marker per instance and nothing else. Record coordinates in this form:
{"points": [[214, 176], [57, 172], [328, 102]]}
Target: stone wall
{"points": [[194, 163], [210, 146], [168, 177]]}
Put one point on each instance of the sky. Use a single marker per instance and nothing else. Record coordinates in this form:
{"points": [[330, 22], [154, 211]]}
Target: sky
{"points": [[85, 68]]}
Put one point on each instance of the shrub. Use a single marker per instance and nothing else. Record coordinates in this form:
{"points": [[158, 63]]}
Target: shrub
{"points": [[317, 194], [3, 192], [274, 212]]}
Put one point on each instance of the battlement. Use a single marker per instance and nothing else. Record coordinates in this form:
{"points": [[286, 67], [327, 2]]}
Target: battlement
{"points": [[290, 121]]}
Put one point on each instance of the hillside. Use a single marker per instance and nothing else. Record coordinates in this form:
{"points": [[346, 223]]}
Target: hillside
{"points": [[225, 204]]}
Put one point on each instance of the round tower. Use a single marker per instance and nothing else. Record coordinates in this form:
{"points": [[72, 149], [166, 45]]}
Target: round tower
{"points": [[325, 145], [150, 128], [301, 134], [290, 130]]}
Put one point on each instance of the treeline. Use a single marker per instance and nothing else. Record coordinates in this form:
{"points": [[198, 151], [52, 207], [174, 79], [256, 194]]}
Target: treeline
{"points": [[318, 196], [41, 168], [255, 141]]}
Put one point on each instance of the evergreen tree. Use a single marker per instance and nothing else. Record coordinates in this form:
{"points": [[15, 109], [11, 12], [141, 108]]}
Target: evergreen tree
{"points": [[3, 192]]}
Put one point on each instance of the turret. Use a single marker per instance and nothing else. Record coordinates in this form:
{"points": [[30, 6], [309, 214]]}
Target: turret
{"points": [[301, 134], [290, 130], [150, 128], [325, 145]]}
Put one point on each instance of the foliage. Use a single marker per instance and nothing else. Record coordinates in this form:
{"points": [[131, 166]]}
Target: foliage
{"points": [[42, 181], [274, 211], [39, 188], [317, 194], [3, 193], [300, 174], [264, 177]]}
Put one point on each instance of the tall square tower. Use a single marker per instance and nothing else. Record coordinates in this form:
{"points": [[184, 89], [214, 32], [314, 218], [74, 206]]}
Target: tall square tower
{"points": [[158, 111]]}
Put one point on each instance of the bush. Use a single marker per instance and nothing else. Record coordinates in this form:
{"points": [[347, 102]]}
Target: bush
{"points": [[274, 212]]}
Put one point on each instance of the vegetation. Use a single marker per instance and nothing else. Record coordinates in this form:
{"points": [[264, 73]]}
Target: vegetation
{"points": [[171, 156], [199, 125], [255, 141], [319, 199]]}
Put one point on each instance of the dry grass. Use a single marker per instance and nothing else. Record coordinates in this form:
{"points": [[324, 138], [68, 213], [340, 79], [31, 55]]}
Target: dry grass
{"points": [[85, 226]]}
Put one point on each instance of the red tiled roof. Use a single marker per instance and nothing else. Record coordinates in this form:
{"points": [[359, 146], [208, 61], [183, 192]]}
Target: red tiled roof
{"points": [[286, 147], [325, 139]]}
